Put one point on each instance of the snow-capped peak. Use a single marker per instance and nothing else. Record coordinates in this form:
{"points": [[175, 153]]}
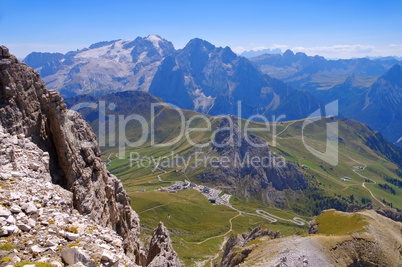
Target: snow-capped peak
{"points": [[155, 39], [113, 51]]}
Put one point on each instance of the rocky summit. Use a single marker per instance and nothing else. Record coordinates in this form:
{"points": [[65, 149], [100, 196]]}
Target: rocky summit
{"points": [[59, 203]]}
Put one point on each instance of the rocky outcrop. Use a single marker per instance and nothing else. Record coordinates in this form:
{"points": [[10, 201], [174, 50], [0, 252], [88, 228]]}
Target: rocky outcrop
{"points": [[4, 52], [391, 213], [312, 227], [353, 207], [161, 251], [377, 243], [253, 169], [28, 108], [38, 219], [236, 248]]}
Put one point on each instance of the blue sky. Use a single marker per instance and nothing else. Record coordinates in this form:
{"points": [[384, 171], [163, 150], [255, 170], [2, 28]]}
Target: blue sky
{"points": [[334, 29]]}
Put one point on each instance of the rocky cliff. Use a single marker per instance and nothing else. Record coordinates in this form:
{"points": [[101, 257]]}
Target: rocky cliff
{"points": [[252, 168], [37, 220], [28, 108], [237, 250]]}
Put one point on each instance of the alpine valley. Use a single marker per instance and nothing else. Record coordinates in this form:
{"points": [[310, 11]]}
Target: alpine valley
{"points": [[144, 157]]}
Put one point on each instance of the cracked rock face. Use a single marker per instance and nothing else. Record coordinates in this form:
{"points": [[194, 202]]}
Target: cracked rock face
{"points": [[66, 153], [38, 219], [28, 108]]}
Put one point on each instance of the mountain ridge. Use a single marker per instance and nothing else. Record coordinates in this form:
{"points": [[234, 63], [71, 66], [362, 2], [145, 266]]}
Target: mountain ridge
{"points": [[201, 76]]}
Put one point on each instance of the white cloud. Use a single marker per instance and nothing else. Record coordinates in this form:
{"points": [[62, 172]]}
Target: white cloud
{"points": [[338, 51], [394, 50], [239, 49], [259, 48], [280, 46], [395, 45]]}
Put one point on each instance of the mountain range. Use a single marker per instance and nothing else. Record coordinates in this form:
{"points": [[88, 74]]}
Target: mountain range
{"points": [[200, 76], [367, 90], [212, 80]]}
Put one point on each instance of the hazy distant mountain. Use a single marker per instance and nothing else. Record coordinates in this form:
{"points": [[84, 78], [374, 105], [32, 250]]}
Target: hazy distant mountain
{"points": [[255, 53], [104, 67], [367, 90], [381, 107], [212, 79], [317, 73]]}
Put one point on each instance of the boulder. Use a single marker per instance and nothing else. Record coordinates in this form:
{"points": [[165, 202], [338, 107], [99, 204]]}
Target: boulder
{"points": [[3, 232], [107, 256], [72, 236], [15, 209], [29, 208], [38, 249], [18, 174], [11, 229], [4, 212], [75, 255], [11, 220], [4, 52], [51, 242], [24, 227]]}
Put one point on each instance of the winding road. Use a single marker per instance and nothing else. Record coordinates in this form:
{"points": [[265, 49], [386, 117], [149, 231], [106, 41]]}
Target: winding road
{"points": [[366, 178], [259, 213], [271, 217]]}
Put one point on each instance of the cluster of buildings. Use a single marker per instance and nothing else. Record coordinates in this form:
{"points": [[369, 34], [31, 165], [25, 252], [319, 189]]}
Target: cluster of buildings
{"points": [[178, 185], [215, 196]]}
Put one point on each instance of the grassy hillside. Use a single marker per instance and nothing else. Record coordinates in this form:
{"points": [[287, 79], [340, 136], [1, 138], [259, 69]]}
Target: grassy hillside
{"points": [[344, 239], [193, 219], [198, 228]]}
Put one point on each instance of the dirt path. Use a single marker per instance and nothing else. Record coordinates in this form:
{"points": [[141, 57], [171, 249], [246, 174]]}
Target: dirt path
{"points": [[286, 128], [216, 256], [217, 236], [364, 182], [154, 207]]}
